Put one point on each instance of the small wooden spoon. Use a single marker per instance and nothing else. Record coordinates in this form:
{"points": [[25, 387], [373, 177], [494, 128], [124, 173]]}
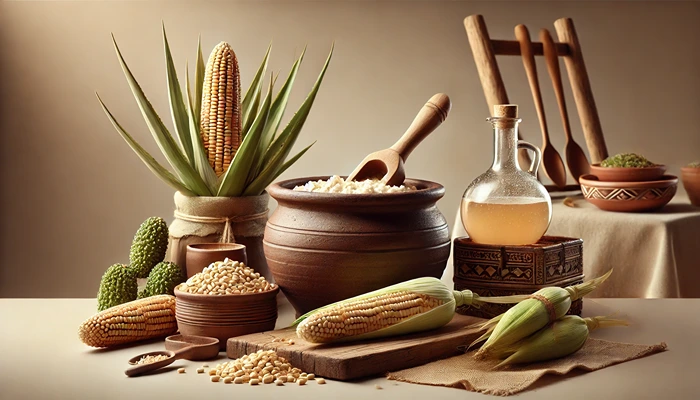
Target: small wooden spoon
{"points": [[552, 163], [201, 348], [575, 157], [388, 164]]}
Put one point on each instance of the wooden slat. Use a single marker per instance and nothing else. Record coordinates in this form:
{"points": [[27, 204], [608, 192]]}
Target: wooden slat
{"points": [[489, 74], [347, 361], [512, 48], [583, 95]]}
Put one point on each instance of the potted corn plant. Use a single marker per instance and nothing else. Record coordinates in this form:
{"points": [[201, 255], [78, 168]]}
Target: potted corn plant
{"points": [[226, 149]]}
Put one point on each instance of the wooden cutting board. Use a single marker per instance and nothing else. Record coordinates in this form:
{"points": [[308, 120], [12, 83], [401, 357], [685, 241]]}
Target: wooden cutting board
{"points": [[347, 361]]}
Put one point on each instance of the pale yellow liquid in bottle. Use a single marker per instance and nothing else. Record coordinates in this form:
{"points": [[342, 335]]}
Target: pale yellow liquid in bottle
{"points": [[507, 221]]}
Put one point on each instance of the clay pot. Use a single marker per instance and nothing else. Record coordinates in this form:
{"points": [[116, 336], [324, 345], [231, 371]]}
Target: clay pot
{"points": [[225, 316], [201, 255], [326, 247], [629, 196], [619, 174], [691, 183]]}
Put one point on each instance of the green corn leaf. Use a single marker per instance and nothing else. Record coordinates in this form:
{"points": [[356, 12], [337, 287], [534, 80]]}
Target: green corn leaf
{"points": [[252, 114], [235, 178], [201, 162], [280, 104], [198, 81], [263, 143], [160, 133], [282, 145], [147, 159], [262, 181], [254, 91], [177, 106]]}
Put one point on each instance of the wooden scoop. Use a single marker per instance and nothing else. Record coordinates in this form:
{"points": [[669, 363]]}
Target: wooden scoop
{"points": [[388, 164], [551, 160], [575, 157], [188, 347]]}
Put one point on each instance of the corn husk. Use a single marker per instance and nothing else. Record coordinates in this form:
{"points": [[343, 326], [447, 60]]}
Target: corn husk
{"points": [[531, 315], [432, 319], [564, 337]]}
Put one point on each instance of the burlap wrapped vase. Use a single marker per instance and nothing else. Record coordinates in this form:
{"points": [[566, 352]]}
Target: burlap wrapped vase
{"points": [[202, 219]]}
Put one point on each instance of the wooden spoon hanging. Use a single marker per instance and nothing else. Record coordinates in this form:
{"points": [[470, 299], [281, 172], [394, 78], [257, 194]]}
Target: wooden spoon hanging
{"points": [[575, 157], [552, 163], [388, 164]]}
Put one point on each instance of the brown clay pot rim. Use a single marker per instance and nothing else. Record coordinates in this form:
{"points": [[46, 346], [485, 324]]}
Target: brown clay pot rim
{"points": [[231, 325], [427, 191], [226, 298], [592, 181], [690, 170], [207, 247], [212, 322]]}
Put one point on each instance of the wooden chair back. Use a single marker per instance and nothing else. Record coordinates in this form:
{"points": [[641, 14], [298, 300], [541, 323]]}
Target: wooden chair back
{"points": [[485, 51]]}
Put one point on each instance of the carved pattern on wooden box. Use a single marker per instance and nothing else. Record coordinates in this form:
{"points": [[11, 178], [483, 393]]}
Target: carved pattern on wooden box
{"points": [[505, 270]]}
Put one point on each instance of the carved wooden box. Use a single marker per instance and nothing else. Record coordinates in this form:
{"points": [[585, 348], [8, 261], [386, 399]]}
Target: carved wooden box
{"points": [[491, 270]]}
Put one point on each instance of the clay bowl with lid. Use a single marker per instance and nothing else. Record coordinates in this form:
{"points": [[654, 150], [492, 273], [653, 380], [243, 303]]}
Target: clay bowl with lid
{"points": [[629, 196], [326, 247], [623, 174], [225, 316]]}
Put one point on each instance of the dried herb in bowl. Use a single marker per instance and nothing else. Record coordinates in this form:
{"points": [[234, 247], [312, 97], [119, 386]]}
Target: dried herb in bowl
{"points": [[695, 164], [626, 160]]}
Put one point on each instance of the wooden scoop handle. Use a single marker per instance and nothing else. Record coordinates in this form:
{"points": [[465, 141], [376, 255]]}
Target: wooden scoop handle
{"points": [[144, 368], [429, 117]]}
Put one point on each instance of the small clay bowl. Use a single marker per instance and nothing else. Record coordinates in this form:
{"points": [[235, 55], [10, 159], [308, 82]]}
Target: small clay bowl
{"points": [[618, 174], [691, 183], [225, 316], [628, 196], [201, 255]]}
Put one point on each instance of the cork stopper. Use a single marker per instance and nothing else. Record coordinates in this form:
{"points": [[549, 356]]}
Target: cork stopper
{"points": [[505, 110]]}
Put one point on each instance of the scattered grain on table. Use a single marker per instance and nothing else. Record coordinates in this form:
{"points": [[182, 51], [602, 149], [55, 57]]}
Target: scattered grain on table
{"points": [[263, 366]]}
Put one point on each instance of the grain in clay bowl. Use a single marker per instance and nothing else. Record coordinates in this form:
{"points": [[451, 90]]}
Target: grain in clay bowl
{"points": [[326, 247], [225, 315]]}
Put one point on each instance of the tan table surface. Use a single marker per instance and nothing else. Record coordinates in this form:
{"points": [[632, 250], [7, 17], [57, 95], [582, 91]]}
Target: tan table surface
{"points": [[42, 358], [655, 255]]}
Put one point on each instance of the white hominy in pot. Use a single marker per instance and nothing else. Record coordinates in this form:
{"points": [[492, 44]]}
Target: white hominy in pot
{"points": [[336, 184]]}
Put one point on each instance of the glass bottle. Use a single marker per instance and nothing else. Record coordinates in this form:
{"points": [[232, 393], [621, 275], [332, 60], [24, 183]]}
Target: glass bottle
{"points": [[506, 205]]}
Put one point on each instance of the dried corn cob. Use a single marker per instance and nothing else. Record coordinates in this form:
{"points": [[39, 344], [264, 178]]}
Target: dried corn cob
{"points": [[565, 336], [221, 99], [412, 306], [129, 322], [527, 317]]}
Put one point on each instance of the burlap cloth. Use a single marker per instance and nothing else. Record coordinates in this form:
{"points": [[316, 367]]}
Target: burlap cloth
{"points": [[477, 376], [655, 255], [203, 219]]}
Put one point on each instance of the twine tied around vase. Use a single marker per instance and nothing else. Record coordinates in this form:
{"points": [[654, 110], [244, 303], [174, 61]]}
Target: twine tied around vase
{"points": [[227, 235]]}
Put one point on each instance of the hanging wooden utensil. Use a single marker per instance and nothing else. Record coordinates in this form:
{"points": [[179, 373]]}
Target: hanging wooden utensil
{"points": [[552, 163]]}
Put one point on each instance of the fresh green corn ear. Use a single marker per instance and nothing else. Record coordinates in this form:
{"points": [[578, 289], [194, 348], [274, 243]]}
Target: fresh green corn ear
{"points": [[527, 317], [408, 307], [565, 336]]}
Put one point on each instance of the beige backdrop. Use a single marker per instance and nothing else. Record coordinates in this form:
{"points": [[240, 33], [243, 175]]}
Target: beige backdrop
{"points": [[73, 193]]}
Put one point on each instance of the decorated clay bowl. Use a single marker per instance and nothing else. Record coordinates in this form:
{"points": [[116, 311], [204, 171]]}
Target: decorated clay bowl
{"points": [[691, 183], [225, 316], [629, 196], [326, 247], [619, 174]]}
